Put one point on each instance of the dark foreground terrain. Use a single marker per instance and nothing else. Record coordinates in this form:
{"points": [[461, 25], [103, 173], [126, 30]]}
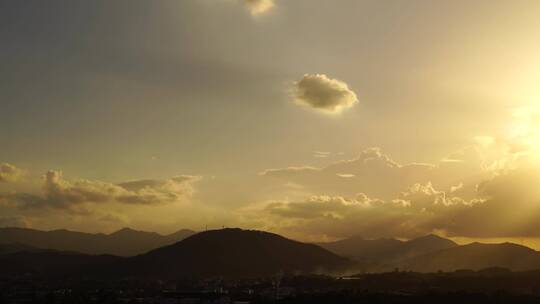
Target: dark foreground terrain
{"points": [[465, 286]]}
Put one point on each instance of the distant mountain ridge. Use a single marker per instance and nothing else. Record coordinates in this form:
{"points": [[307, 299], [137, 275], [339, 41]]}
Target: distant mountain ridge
{"points": [[476, 256], [432, 253], [387, 250], [237, 253], [124, 242]]}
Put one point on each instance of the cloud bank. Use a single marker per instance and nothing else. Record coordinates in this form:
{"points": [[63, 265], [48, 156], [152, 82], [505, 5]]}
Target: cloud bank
{"points": [[470, 193], [324, 94], [420, 210], [60, 193]]}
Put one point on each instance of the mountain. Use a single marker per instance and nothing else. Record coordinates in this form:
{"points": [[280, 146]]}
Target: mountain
{"points": [[233, 253], [432, 253], [179, 235], [384, 251], [476, 256], [423, 245], [236, 253], [125, 242], [362, 249]]}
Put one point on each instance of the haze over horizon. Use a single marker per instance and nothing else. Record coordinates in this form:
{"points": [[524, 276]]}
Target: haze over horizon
{"points": [[305, 118]]}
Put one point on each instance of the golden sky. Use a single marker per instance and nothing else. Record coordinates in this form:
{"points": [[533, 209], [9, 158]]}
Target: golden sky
{"points": [[311, 118]]}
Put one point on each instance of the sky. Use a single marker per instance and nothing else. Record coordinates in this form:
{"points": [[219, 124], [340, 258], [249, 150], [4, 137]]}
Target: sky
{"points": [[315, 119]]}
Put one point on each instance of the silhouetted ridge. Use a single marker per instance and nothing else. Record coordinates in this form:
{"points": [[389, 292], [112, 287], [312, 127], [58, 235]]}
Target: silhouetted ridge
{"points": [[477, 256], [385, 251], [234, 253], [423, 245], [127, 231], [124, 242]]}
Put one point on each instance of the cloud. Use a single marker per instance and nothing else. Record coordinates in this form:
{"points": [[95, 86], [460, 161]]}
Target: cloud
{"points": [[505, 204], [345, 175], [285, 171], [9, 173], [371, 172], [321, 154], [420, 210], [152, 191], [319, 206], [378, 175], [479, 191], [259, 7], [466, 194], [323, 93], [63, 194]]}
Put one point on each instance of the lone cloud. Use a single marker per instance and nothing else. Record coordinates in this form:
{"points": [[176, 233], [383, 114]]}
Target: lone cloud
{"points": [[322, 93]]}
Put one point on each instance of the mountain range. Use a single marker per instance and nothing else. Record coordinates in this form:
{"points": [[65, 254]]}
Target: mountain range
{"points": [[432, 253], [476, 256], [232, 253], [237, 253], [124, 242], [385, 252]]}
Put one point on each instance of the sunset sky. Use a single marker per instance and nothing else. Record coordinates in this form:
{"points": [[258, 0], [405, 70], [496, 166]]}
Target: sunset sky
{"points": [[315, 119]]}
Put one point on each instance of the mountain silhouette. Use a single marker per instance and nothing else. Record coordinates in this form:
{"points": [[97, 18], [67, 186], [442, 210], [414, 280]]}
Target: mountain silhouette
{"points": [[125, 242], [233, 253], [387, 250], [423, 245], [361, 249], [476, 256], [237, 253]]}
